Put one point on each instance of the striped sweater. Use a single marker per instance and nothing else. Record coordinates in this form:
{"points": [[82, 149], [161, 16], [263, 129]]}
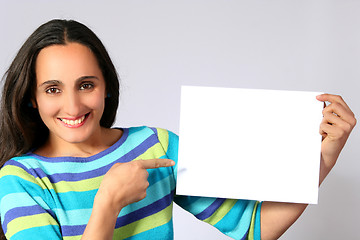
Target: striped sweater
{"points": [[52, 198]]}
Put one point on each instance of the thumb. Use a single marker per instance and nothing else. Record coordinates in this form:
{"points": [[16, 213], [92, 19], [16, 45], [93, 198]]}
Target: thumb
{"points": [[156, 163]]}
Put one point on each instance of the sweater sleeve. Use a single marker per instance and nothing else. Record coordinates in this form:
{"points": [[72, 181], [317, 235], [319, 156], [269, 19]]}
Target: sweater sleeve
{"points": [[239, 219], [25, 211]]}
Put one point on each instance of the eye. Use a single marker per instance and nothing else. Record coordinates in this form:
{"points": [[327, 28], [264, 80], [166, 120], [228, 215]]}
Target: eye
{"points": [[52, 90], [86, 86]]}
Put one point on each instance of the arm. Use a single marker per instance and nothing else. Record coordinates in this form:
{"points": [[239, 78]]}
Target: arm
{"points": [[335, 128], [25, 205], [123, 184]]}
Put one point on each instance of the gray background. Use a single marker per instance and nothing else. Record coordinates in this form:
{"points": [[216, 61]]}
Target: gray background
{"points": [[158, 46]]}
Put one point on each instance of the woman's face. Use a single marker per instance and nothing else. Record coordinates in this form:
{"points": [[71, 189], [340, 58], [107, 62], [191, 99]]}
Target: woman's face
{"points": [[70, 92]]}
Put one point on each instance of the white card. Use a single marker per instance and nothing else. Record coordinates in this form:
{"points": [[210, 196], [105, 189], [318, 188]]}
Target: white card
{"points": [[249, 144]]}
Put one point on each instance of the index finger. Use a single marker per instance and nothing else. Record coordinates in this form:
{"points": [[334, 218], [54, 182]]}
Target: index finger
{"points": [[332, 98], [156, 163]]}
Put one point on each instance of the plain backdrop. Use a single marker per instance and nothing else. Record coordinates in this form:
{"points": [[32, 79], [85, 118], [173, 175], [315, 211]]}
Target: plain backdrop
{"points": [[157, 46]]}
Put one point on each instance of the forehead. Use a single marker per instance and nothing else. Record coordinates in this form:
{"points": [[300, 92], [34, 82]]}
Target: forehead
{"points": [[70, 61]]}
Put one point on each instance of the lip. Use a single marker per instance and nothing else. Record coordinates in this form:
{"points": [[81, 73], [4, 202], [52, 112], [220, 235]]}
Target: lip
{"points": [[74, 122]]}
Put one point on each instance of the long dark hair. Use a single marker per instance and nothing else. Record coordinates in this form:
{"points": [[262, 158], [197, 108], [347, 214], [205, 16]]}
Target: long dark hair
{"points": [[21, 127]]}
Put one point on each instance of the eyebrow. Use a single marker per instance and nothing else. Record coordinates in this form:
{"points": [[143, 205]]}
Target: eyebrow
{"points": [[58, 82]]}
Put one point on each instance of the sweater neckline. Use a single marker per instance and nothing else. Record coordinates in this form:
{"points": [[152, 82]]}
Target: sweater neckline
{"points": [[108, 150]]}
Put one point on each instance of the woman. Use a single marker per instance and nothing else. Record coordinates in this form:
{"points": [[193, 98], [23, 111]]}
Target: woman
{"points": [[67, 174]]}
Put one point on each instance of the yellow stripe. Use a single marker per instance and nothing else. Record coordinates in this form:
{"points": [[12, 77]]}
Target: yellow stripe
{"points": [[159, 149], [79, 186], [10, 170], [139, 226], [144, 224], [252, 224], [22, 223], [44, 183], [163, 136], [221, 211], [155, 151], [78, 237]]}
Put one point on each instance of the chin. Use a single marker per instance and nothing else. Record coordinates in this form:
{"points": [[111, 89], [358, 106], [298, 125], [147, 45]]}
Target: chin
{"points": [[74, 139]]}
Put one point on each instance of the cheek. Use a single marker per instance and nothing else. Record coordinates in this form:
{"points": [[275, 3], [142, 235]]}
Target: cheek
{"points": [[96, 102], [47, 107]]}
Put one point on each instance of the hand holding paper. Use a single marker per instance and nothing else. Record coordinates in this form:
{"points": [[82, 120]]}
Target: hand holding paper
{"points": [[335, 128]]}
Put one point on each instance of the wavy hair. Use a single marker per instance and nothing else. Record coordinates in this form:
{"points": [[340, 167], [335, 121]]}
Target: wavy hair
{"points": [[21, 128]]}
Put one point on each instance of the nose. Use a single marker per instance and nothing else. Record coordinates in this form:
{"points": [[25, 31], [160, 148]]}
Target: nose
{"points": [[72, 103]]}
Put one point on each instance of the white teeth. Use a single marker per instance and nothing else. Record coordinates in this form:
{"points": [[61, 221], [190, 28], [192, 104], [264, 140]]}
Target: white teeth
{"points": [[72, 122]]}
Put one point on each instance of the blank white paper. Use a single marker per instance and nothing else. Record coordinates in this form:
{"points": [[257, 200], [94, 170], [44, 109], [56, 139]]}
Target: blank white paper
{"points": [[249, 144]]}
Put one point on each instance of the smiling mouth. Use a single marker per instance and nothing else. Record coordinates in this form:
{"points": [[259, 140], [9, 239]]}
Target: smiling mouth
{"points": [[74, 123]]}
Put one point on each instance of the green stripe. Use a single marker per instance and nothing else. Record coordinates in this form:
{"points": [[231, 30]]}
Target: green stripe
{"points": [[252, 223], [221, 211], [144, 224], [155, 151], [10, 170], [22, 223], [163, 136]]}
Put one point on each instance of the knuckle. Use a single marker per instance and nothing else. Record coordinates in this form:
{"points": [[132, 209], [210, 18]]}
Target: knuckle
{"points": [[325, 110], [326, 114], [335, 105], [342, 132], [136, 164], [339, 97], [354, 121], [116, 165], [347, 128]]}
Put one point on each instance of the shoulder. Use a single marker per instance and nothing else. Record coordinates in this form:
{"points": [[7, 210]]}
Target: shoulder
{"points": [[16, 165], [20, 169], [15, 175], [163, 135]]}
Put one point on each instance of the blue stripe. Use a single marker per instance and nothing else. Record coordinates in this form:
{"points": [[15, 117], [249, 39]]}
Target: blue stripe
{"points": [[67, 199], [158, 174], [151, 209], [73, 230], [22, 212], [95, 171], [211, 209], [72, 164], [74, 217], [17, 197], [194, 204], [245, 236], [230, 220], [44, 232], [126, 219], [244, 223], [148, 143], [161, 180], [15, 163], [257, 231], [83, 159], [164, 232], [154, 193]]}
